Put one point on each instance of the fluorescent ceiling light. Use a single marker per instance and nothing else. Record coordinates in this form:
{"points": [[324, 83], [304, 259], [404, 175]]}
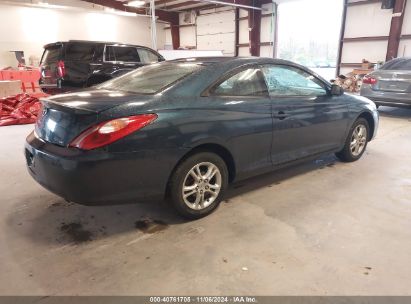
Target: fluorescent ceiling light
{"points": [[136, 3]]}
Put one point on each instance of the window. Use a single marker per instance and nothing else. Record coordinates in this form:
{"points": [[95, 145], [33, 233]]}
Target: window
{"points": [[121, 53], [109, 55], [51, 54], [151, 78], [147, 56], [249, 82], [398, 64], [79, 52], [290, 81]]}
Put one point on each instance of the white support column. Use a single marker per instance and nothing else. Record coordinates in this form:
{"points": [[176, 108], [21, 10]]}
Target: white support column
{"points": [[153, 25]]}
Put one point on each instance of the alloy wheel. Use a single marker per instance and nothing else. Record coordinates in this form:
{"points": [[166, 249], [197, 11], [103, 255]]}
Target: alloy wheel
{"points": [[358, 140], [201, 185]]}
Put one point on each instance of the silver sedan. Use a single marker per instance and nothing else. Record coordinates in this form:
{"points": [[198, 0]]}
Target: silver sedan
{"points": [[390, 85]]}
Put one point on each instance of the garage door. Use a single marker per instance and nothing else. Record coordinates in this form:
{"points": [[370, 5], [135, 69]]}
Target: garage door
{"points": [[216, 32]]}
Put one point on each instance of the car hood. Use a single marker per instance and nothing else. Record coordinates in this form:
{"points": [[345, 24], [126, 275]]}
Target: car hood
{"points": [[94, 101], [362, 99]]}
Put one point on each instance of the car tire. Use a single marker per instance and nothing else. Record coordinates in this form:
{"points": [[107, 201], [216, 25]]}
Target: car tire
{"points": [[356, 142], [191, 190]]}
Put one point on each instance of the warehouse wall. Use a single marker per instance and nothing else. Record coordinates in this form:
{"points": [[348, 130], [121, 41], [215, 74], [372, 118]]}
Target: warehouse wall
{"points": [[369, 20], [267, 31], [243, 36], [214, 29], [29, 28]]}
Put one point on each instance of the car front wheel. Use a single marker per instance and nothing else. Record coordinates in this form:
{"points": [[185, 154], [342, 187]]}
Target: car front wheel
{"points": [[198, 184], [356, 142]]}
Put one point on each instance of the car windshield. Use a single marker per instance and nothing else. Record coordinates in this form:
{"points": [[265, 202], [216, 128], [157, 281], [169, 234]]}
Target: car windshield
{"points": [[403, 64], [152, 78]]}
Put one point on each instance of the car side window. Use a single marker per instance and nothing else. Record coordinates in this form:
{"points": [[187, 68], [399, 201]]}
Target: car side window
{"points": [[285, 80], [79, 52], [249, 82], [109, 54], [121, 53], [147, 56]]}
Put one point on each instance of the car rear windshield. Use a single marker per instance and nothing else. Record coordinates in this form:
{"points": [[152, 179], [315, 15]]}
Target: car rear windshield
{"points": [[51, 54], [403, 64], [152, 78]]}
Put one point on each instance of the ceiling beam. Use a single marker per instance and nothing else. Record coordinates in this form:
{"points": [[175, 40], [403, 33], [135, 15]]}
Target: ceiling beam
{"points": [[163, 2], [170, 17], [246, 4], [203, 7], [182, 4]]}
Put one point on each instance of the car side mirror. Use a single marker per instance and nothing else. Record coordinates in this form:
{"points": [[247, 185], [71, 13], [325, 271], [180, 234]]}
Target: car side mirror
{"points": [[336, 90]]}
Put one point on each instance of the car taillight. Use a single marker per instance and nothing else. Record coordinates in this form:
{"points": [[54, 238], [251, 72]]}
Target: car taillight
{"points": [[61, 69], [369, 80], [110, 131]]}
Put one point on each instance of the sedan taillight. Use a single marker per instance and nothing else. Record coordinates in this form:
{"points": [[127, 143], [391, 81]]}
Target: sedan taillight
{"points": [[369, 80], [110, 131]]}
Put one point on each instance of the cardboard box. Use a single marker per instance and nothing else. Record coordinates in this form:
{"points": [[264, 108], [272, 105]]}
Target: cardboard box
{"points": [[10, 88]]}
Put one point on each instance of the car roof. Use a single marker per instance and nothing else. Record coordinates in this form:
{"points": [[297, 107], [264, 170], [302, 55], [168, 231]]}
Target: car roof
{"points": [[235, 61], [232, 62], [91, 42], [217, 59], [401, 58]]}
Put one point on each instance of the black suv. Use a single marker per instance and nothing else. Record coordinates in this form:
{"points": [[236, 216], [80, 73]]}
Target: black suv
{"points": [[76, 64]]}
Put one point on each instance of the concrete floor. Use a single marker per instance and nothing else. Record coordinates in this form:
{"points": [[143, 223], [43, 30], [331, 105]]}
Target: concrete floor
{"points": [[323, 228]]}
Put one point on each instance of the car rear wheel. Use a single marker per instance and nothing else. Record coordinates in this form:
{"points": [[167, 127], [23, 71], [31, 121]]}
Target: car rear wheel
{"points": [[356, 142], [198, 184]]}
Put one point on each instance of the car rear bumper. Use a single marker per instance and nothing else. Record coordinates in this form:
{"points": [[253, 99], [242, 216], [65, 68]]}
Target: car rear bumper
{"points": [[96, 177], [384, 97]]}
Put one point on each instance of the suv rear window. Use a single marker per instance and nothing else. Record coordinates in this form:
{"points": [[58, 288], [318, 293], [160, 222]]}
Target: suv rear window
{"points": [[79, 52], [151, 78], [403, 64], [121, 53], [51, 54]]}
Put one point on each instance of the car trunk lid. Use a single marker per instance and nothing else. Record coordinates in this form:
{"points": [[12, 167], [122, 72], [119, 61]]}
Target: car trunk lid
{"points": [[393, 81], [65, 116]]}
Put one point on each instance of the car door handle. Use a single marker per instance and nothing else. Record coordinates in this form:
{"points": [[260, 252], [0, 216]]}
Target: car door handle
{"points": [[281, 115]]}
